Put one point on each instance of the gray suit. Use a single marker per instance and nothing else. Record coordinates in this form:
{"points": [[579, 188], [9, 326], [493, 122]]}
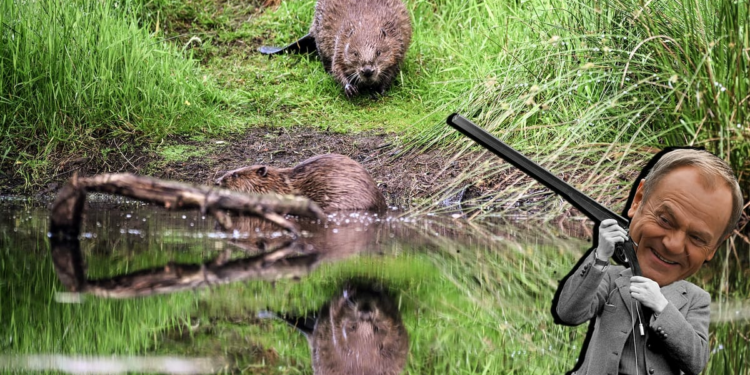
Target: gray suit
{"points": [[677, 339]]}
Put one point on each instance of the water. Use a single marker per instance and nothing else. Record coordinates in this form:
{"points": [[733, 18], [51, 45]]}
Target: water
{"points": [[167, 292]]}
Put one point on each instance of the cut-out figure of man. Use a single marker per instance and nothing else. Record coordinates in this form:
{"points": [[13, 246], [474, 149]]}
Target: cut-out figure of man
{"points": [[687, 205]]}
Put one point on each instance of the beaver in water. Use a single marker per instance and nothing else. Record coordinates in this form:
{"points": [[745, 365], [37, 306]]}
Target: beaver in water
{"points": [[335, 182], [357, 332], [362, 43]]}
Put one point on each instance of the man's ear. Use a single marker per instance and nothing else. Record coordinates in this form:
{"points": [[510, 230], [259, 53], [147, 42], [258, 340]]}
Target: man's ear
{"points": [[637, 200]]}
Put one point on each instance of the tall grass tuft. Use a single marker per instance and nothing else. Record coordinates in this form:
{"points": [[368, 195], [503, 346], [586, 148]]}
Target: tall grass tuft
{"points": [[695, 53], [77, 73], [606, 83]]}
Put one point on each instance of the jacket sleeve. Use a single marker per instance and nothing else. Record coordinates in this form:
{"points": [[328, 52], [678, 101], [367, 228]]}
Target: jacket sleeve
{"points": [[685, 338], [584, 292]]}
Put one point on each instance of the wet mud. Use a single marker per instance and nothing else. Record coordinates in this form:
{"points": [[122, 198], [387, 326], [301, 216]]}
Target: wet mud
{"points": [[401, 178]]}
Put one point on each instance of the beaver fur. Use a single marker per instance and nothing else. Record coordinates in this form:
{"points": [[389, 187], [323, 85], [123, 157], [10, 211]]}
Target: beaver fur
{"points": [[362, 43], [335, 182], [359, 331]]}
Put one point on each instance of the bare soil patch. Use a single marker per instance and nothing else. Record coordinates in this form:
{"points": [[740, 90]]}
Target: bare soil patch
{"points": [[405, 178], [401, 178]]}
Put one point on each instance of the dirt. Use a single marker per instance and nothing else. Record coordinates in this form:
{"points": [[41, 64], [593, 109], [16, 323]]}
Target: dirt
{"points": [[279, 147], [401, 178], [405, 177]]}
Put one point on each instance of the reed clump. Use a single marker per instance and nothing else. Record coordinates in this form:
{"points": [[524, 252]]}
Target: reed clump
{"points": [[75, 75], [605, 84]]}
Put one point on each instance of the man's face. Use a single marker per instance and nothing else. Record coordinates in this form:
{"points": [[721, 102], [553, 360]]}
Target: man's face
{"points": [[680, 225]]}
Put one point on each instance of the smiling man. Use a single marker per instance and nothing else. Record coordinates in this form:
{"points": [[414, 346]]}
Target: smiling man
{"points": [[684, 209]]}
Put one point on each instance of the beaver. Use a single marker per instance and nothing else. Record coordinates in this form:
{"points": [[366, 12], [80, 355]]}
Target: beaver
{"points": [[361, 43], [357, 332], [335, 182]]}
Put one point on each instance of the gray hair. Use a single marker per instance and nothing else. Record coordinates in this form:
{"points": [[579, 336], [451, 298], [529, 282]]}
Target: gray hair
{"points": [[712, 170]]}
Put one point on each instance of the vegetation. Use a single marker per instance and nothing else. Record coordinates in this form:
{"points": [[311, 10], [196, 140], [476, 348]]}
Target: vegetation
{"points": [[471, 304], [594, 85], [592, 82], [84, 78], [585, 87]]}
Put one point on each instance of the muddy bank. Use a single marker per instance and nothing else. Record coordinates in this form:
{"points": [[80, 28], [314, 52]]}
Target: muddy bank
{"points": [[408, 178], [402, 177], [227, 42]]}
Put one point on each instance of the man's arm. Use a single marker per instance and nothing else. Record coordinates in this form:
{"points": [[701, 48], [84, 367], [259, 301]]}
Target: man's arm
{"points": [[584, 293], [587, 289], [685, 338]]}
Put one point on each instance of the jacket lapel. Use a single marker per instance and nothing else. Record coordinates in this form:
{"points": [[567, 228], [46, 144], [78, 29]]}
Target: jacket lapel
{"points": [[623, 286], [675, 293]]}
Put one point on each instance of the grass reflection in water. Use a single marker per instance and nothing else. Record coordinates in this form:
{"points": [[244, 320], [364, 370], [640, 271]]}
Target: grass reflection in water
{"points": [[473, 299]]}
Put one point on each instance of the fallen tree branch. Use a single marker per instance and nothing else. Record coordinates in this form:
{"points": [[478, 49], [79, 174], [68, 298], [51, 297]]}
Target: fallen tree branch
{"points": [[65, 228], [67, 208]]}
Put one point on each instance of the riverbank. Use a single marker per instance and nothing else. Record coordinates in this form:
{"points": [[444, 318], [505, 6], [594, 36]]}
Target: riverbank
{"points": [[590, 103]]}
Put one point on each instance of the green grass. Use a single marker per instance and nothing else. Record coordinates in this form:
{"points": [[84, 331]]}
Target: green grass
{"points": [[477, 303], [76, 75], [562, 80], [294, 89], [602, 84], [180, 152]]}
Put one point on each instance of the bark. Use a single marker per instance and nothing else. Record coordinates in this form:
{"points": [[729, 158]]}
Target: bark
{"points": [[65, 226], [179, 196]]}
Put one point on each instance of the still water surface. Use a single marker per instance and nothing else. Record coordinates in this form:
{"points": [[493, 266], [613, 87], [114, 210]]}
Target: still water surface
{"points": [[168, 292]]}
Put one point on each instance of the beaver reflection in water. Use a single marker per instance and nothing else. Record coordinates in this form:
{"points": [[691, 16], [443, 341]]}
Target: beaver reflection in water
{"points": [[358, 332], [335, 182]]}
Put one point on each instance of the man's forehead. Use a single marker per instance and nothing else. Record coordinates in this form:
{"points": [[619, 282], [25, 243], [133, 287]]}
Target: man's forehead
{"points": [[712, 201], [694, 176]]}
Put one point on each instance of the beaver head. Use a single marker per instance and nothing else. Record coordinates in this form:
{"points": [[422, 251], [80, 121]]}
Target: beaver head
{"points": [[370, 54], [360, 333], [259, 179]]}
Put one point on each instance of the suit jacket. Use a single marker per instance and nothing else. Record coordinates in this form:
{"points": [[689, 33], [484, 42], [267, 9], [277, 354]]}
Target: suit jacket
{"points": [[676, 339]]}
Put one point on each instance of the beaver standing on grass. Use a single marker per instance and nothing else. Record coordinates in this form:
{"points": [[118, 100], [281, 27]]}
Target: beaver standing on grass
{"points": [[362, 43], [335, 182]]}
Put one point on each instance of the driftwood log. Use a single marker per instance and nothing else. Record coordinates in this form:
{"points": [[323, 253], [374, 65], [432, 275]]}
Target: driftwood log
{"points": [[65, 227], [66, 210]]}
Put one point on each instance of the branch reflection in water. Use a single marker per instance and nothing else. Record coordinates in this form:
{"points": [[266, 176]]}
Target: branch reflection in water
{"points": [[360, 328], [65, 228], [358, 331]]}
